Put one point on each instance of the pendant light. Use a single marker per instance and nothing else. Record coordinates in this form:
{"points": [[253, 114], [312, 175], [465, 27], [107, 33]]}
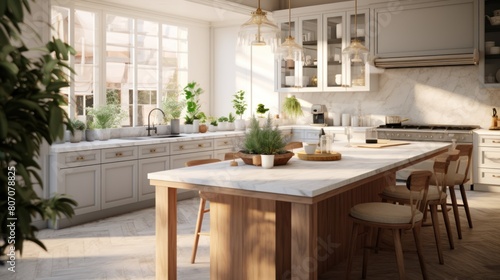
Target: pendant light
{"points": [[356, 51], [290, 50], [259, 31]]}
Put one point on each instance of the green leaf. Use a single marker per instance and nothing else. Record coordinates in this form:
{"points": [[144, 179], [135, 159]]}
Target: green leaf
{"points": [[16, 8], [3, 125]]}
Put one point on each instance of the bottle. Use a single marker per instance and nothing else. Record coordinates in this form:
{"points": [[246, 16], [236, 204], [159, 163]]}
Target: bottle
{"points": [[321, 133]]}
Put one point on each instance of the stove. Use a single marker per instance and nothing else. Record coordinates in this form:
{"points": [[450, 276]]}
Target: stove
{"points": [[434, 132]]}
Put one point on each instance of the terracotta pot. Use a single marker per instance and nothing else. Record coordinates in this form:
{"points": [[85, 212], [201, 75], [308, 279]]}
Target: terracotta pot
{"points": [[202, 128]]}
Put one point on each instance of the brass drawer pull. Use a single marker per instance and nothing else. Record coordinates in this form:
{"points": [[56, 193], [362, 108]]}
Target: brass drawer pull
{"points": [[152, 150], [200, 145], [119, 154], [181, 147], [495, 176], [495, 141], [80, 158], [225, 142]]}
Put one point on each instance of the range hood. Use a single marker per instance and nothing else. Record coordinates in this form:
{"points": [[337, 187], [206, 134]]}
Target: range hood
{"points": [[431, 60]]}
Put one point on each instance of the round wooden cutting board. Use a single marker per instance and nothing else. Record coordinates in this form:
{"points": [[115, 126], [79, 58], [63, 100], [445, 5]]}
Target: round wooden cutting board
{"points": [[320, 157]]}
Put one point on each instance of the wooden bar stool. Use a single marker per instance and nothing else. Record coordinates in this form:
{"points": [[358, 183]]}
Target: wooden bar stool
{"points": [[458, 176], [436, 196], [396, 217], [201, 210]]}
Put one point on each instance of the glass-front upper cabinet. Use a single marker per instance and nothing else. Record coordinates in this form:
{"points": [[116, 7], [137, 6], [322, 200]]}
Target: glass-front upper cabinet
{"points": [[340, 73], [303, 76]]}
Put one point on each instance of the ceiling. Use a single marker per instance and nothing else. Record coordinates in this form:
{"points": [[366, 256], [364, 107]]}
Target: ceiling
{"points": [[213, 10]]}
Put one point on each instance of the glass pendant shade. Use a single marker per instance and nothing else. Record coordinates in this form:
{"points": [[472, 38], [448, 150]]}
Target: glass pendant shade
{"points": [[356, 52], [259, 31], [290, 50]]}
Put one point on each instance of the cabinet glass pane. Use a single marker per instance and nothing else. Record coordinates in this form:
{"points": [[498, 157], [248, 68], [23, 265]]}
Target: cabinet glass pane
{"points": [[334, 36], [287, 68], [358, 31], [310, 44]]}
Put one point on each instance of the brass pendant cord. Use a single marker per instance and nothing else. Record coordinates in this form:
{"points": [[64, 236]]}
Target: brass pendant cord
{"points": [[289, 19], [355, 19]]}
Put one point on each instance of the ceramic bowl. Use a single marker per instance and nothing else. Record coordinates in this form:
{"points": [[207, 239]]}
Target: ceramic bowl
{"points": [[495, 50]]}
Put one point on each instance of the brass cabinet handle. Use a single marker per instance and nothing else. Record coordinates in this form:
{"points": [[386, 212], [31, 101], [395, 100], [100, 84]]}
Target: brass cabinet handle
{"points": [[200, 145], [225, 142], [181, 147], [495, 141], [119, 154], [80, 158], [495, 176], [152, 150]]}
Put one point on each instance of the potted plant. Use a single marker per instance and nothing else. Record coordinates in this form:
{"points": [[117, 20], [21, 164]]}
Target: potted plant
{"points": [[78, 129], [32, 112], [240, 105], [192, 94], [213, 124], [222, 123], [105, 117], [261, 110], [203, 126], [230, 121], [173, 107], [90, 132], [267, 140], [292, 107]]}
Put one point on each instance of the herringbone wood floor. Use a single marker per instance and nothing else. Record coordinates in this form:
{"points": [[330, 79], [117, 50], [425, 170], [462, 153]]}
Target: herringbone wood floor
{"points": [[123, 247]]}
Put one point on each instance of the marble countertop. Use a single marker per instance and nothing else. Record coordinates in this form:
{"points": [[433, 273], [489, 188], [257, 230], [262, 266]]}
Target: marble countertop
{"points": [[303, 178], [133, 141], [487, 131]]}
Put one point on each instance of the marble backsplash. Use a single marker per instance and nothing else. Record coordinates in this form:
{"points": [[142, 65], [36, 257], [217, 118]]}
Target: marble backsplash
{"points": [[426, 95]]}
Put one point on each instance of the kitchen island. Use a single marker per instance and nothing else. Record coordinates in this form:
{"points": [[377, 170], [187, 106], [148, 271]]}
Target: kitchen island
{"points": [[288, 222]]}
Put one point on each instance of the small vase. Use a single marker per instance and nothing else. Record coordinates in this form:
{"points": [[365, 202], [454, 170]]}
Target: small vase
{"points": [[174, 126], [90, 135], [196, 126], [267, 161], [76, 137]]}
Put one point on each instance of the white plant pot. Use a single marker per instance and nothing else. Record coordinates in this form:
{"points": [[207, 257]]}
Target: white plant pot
{"points": [[230, 126], [175, 126], [239, 124], [76, 137], [90, 135], [188, 128], [196, 126], [103, 134], [212, 128], [267, 161], [222, 126]]}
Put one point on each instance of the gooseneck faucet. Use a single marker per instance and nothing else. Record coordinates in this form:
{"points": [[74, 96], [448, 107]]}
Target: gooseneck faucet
{"points": [[149, 128]]}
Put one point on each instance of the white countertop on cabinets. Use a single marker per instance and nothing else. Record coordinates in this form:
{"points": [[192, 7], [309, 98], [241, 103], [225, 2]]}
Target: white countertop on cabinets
{"points": [[299, 177], [486, 131]]}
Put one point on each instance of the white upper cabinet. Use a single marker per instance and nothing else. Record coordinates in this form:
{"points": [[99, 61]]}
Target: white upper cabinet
{"points": [[409, 28], [323, 35]]}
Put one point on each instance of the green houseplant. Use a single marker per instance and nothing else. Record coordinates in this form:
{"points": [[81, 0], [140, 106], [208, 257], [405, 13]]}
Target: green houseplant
{"points": [[105, 117], [292, 107], [30, 113], [78, 130], [240, 105], [261, 110], [266, 140], [173, 107], [192, 93]]}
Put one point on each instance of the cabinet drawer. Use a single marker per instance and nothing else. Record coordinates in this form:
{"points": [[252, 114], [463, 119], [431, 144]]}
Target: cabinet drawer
{"points": [[191, 146], [118, 154], [75, 159], [224, 143], [156, 150], [489, 141], [179, 161], [489, 157], [488, 176]]}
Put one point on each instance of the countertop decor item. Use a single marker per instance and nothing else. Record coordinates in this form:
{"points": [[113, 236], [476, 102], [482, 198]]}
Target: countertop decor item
{"points": [[292, 107], [192, 92], [319, 156], [267, 140]]}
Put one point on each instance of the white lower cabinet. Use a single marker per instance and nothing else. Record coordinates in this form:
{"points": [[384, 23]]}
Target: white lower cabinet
{"points": [[118, 183], [146, 191], [83, 185], [179, 161], [486, 160]]}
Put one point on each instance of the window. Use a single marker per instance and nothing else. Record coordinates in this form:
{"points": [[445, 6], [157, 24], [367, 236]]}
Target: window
{"points": [[135, 64]]}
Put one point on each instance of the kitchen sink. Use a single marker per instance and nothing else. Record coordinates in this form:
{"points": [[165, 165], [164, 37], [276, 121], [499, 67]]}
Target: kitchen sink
{"points": [[151, 137]]}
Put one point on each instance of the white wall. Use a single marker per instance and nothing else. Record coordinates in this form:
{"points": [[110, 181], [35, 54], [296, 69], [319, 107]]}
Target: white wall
{"points": [[199, 62], [241, 68]]}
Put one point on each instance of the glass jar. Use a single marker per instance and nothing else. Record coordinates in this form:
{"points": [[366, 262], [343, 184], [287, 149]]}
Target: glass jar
{"points": [[371, 135]]}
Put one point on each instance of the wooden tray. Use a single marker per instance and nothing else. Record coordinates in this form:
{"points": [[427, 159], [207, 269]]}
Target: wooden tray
{"points": [[383, 144], [319, 157], [494, 128]]}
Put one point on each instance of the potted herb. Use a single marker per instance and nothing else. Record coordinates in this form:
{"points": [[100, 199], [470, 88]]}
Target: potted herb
{"points": [[292, 107], [78, 129], [267, 140], [173, 107], [213, 124], [240, 105], [105, 117], [261, 110], [90, 132], [203, 126], [230, 119], [223, 125]]}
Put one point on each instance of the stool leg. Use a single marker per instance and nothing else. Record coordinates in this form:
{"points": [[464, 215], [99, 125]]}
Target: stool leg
{"points": [[455, 210], [366, 251], [399, 253], [352, 250], [437, 235], [446, 219], [199, 221], [418, 244], [466, 205]]}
